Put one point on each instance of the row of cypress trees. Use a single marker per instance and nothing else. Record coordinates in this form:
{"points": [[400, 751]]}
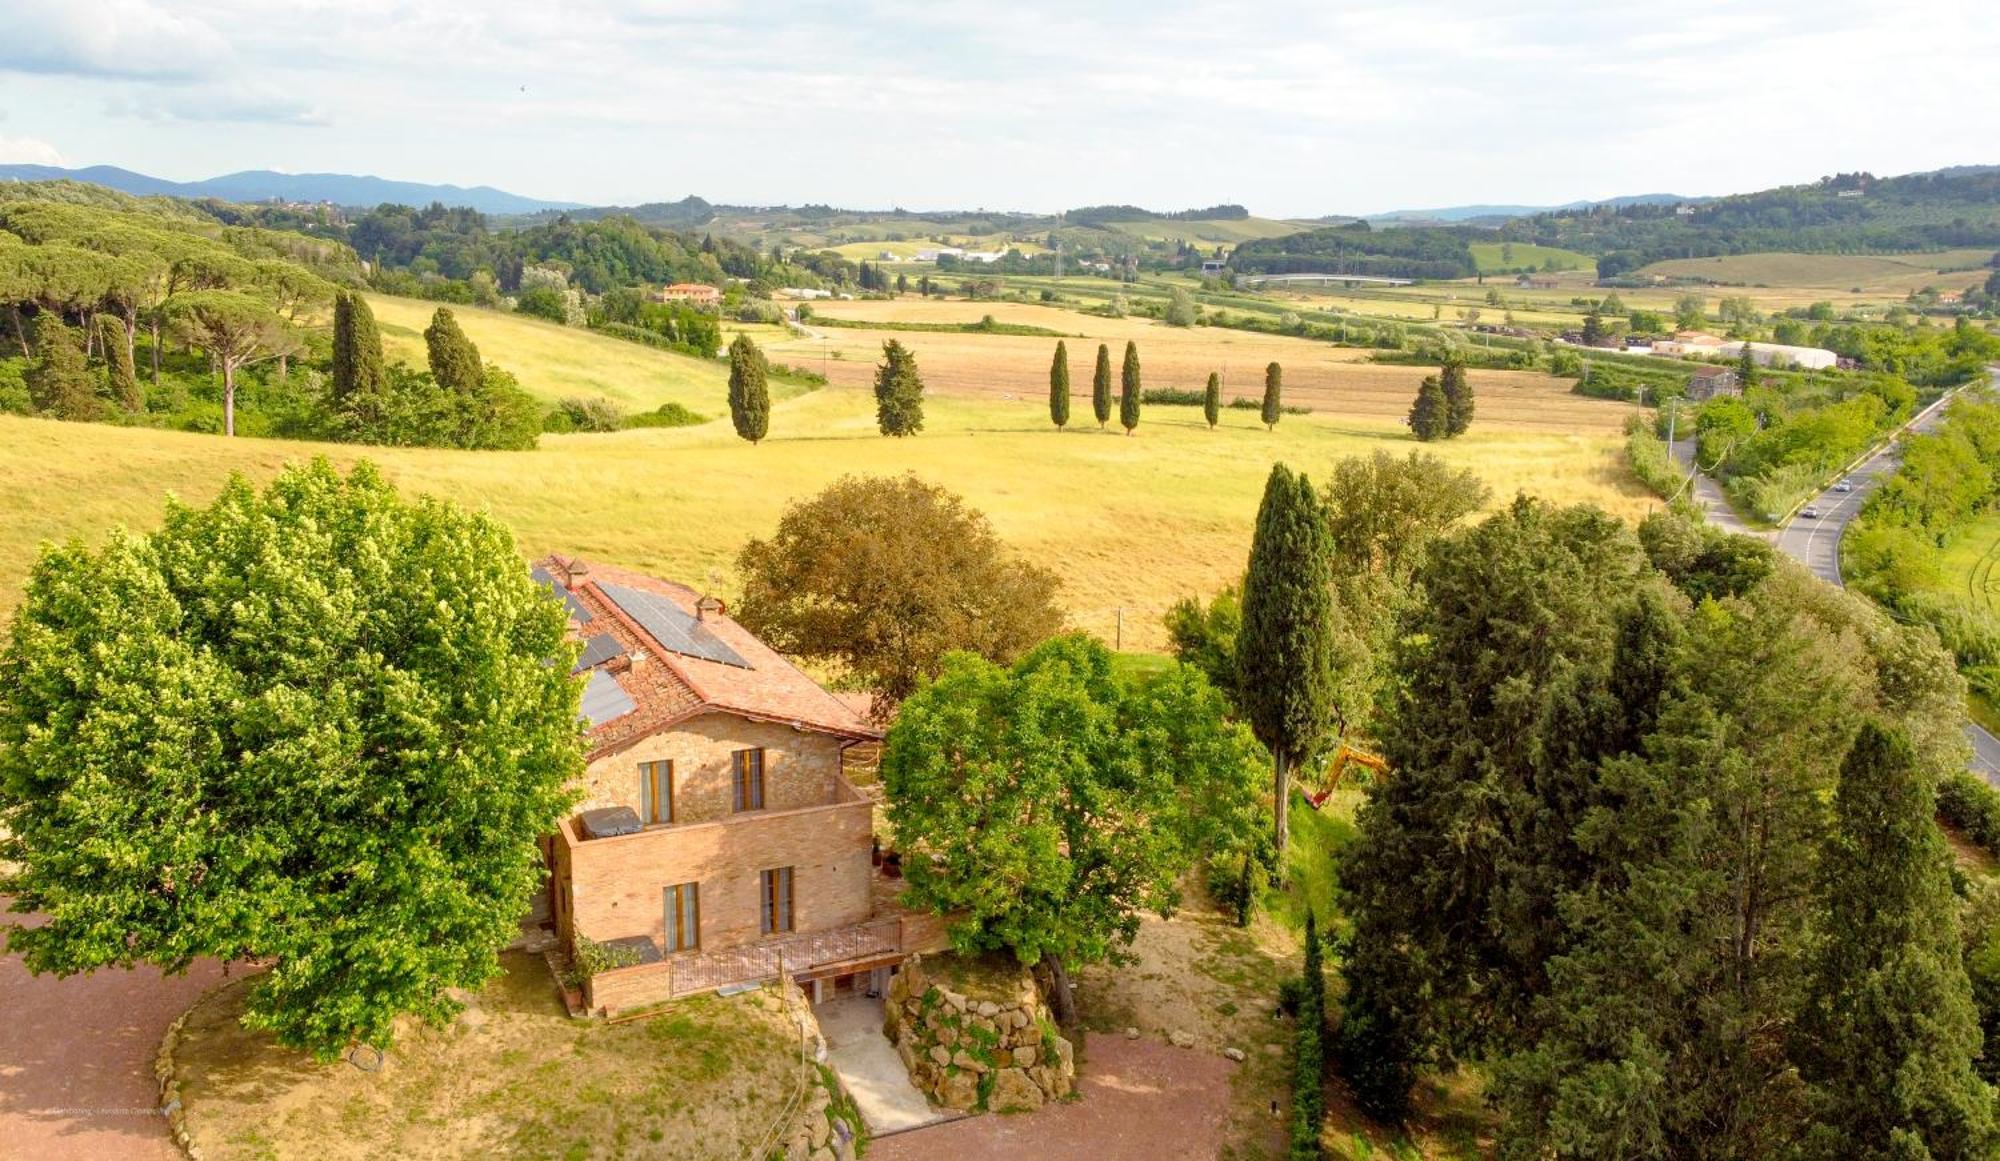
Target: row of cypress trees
{"points": [[1131, 394]]}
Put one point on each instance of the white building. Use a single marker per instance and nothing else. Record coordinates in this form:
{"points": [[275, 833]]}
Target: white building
{"points": [[1701, 346]]}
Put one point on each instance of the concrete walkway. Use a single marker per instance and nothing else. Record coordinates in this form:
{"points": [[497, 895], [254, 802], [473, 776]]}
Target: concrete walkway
{"points": [[869, 1067]]}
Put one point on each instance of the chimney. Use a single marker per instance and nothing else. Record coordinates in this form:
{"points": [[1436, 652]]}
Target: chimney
{"points": [[707, 605], [635, 660], [579, 572]]}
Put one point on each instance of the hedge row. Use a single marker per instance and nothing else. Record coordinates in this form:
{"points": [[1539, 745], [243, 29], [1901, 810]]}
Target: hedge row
{"points": [[1309, 1054]]}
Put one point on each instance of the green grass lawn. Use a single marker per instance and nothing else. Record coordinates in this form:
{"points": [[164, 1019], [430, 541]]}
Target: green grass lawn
{"points": [[1493, 256], [554, 362], [1970, 565]]}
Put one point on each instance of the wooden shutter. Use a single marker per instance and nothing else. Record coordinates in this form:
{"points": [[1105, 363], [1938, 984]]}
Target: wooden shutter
{"points": [[683, 920], [748, 776], [777, 901]]}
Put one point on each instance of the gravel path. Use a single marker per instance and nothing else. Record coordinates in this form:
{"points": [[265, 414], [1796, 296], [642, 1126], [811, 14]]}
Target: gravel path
{"points": [[1141, 1101]]}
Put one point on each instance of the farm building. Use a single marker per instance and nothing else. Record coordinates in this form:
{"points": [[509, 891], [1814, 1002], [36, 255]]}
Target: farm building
{"points": [[1213, 266], [699, 293], [718, 837], [1709, 382], [1694, 344], [1536, 281]]}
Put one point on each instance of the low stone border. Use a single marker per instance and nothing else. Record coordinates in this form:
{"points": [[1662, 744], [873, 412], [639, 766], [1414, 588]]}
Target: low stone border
{"points": [[165, 1069]]}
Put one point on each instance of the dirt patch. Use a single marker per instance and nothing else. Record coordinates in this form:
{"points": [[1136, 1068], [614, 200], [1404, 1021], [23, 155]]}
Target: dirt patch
{"points": [[511, 1076], [1139, 1100]]}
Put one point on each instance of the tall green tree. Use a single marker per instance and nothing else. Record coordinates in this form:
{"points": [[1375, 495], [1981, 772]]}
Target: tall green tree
{"points": [[1285, 649], [878, 578], [1274, 389], [899, 391], [1048, 805], [1100, 386], [1180, 308], [1430, 415], [454, 361], [1211, 400], [749, 392], [113, 338], [1129, 389], [1889, 1032], [1746, 366], [59, 381], [1059, 387], [237, 330], [361, 397], [1458, 399], [323, 726]]}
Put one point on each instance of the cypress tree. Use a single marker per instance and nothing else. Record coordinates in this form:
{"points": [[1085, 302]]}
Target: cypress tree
{"points": [[1285, 647], [59, 381], [1274, 388], [1211, 400], [115, 340], [1059, 387], [1128, 398], [1746, 367], [1430, 415], [749, 393], [1889, 1031], [899, 391], [362, 397], [454, 360], [1100, 386], [1457, 397]]}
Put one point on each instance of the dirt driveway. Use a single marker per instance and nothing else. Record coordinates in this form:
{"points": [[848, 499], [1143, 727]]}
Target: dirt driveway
{"points": [[76, 1061], [1142, 1101]]}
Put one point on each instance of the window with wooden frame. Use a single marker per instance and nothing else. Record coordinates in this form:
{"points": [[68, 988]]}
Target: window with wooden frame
{"points": [[749, 779], [683, 917], [777, 908], [656, 792]]}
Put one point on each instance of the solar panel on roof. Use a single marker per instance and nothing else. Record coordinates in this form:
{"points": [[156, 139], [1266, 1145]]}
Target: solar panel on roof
{"points": [[597, 651], [547, 579], [673, 627], [605, 699]]}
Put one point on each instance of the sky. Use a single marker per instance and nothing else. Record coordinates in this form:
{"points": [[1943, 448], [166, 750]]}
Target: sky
{"points": [[1292, 109]]}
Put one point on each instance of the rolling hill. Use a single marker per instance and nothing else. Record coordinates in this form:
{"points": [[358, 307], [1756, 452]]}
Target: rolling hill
{"points": [[257, 185]]}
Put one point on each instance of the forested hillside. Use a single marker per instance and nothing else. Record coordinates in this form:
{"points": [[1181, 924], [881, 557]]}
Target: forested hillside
{"points": [[1357, 248]]}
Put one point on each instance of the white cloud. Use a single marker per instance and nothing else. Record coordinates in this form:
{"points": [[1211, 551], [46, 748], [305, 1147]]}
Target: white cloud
{"points": [[248, 104], [108, 38], [29, 151]]}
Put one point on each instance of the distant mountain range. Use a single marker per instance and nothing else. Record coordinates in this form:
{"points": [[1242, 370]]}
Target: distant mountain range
{"points": [[258, 185]]}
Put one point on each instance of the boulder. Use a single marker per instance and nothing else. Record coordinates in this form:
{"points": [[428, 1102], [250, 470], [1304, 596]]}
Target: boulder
{"points": [[959, 1091], [908, 1053], [1013, 1092], [820, 1129], [968, 1061], [988, 1009], [1234, 1053], [1180, 1039], [1024, 1057], [940, 1054], [1131, 1033], [1065, 1056]]}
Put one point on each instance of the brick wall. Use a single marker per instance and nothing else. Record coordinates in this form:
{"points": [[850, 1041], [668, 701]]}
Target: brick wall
{"points": [[801, 767], [615, 885]]}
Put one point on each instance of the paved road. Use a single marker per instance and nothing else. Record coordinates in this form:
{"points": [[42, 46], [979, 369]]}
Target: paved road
{"points": [[1815, 542]]}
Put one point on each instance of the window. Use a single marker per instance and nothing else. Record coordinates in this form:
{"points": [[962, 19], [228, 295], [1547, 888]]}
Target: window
{"points": [[683, 917], [777, 900], [656, 792], [749, 768]]}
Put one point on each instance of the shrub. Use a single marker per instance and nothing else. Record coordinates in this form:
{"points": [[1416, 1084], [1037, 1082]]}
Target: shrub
{"points": [[1245, 403], [592, 957], [1309, 1053], [665, 415], [1969, 804], [579, 414]]}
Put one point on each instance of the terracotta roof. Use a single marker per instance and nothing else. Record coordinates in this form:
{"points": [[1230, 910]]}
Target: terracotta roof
{"points": [[1711, 372], [668, 687]]}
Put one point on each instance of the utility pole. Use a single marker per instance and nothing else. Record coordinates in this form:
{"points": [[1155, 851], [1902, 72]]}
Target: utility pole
{"points": [[1118, 638]]}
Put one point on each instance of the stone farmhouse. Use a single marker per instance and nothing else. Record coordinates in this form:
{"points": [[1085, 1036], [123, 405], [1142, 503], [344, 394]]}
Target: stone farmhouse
{"points": [[719, 837]]}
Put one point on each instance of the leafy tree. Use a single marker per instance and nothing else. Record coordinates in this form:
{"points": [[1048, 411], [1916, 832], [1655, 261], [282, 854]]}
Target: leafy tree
{"points": [[322, 728], [1284, 652], [1690, 312], [1100, 386], [1430, 415], [1204, 636], [112, 336], [544, 302], [899, 391], [881, 577], [455, 365], [1180, 308], [1047, 805], [237, 330], [1211, 400], [1274, 387], [1129, 390], [1593, 329], [361, 397], [749, 393], [1458, 399], [1889, 1033], [1059, 387], [59, 382]]}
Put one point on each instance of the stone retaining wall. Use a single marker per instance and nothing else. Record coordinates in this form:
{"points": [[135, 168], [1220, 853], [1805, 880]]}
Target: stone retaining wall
{"points": [[977, 1054]]}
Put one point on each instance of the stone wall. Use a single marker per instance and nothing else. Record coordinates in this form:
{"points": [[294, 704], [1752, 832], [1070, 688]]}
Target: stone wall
{"points": [[977, 1053]]}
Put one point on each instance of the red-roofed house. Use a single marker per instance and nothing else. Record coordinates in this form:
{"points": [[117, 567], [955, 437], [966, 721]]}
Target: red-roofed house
{"points": [[699, 293], [719, 835]]}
